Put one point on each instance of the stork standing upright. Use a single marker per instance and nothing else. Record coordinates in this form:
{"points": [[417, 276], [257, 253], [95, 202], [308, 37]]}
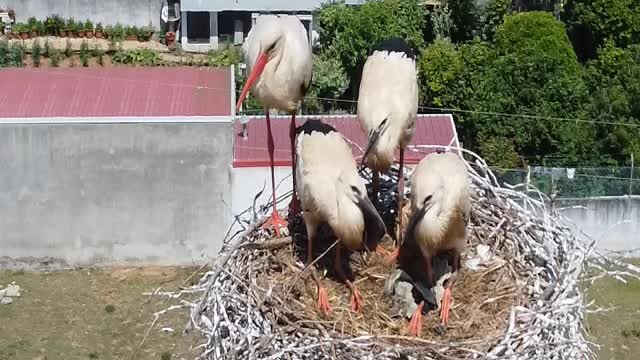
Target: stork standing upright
{"points": [[441, 205], [387, 108], [332, 192], [280, 65]]}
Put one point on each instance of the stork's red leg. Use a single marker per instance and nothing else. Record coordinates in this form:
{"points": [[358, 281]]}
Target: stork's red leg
{"points": [[356, 298], [323, 298], [294, 206], [275, 220], [415, 325], [446, 298]]}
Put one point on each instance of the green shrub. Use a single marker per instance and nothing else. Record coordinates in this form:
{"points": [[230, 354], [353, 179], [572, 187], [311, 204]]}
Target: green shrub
{"points": [[17, 55], [47, 48], [5, 55], [36, 53], [146, 57], [88, 25], [53, 24], [68, 50], [223, 58], [145, 33], [99, 54], [54, 58], [71, 25], [131, 31]]}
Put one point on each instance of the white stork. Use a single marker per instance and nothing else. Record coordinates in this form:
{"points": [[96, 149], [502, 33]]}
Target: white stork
{"points": [[387, 108], [440, 205], [280, 65], [332, 192]]}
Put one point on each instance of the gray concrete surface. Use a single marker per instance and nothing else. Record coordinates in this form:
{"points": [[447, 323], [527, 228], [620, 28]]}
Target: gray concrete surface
{"points": [[130, 12], [105, 193], [614, 222]]}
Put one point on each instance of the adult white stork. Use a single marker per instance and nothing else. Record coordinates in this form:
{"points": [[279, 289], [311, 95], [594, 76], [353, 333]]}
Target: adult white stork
{"points": [[278, 57], [440, 205], [387, 108], [332, 192]]}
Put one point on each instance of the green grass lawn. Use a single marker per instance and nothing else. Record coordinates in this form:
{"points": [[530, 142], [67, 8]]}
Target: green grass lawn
{"points": [[93, 314], [618, 331]]}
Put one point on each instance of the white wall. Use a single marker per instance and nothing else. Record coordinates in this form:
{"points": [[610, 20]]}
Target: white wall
{"points": [[614, 222]]}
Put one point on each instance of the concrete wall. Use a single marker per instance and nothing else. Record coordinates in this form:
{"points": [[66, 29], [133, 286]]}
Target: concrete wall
{"points": [[614, 222], [107, 193], [129, 12]]}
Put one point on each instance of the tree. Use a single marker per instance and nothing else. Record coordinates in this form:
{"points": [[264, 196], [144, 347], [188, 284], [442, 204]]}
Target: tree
{"points": [[353, 31], [329, 81], [593, 22], [493, 16], [464, 18], [613, 79]]}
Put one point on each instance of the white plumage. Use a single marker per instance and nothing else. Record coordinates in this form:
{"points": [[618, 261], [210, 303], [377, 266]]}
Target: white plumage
{"points": [[441, 205], [278, 57], [387, 108], [331, 191], [287, 74], [443, 178], [389, 90]]}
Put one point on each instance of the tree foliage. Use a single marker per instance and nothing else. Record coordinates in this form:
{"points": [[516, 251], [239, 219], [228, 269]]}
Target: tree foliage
{"points": [[353, 31], [510, 76], [593, 22]]}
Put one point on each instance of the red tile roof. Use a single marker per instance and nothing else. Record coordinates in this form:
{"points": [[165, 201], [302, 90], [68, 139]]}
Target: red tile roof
{"points": [[114, 92], [252, 151]]}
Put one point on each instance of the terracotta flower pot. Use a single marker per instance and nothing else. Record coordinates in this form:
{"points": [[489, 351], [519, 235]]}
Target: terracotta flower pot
{"points": [[171, 37], [24, 35], [33, 34], [9, 35], [131, 38], [71, 33], [63, 33], [88, 34], [81, 34], [99, 35]]}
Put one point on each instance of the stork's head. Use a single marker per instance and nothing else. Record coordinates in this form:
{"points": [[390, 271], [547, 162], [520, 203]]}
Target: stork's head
{"points": [[270, 45], [374, 138], [354, 197]]}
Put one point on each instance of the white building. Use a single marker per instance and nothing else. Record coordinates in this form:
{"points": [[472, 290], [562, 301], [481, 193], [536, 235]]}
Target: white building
{"points": [[207, 24]]}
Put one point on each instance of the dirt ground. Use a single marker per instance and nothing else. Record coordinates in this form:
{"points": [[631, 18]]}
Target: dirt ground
{"points": [[94, 314]]}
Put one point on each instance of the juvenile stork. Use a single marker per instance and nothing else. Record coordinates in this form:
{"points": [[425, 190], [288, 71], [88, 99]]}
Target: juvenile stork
{"points": [[387, 108], [278, 57], [332, 192], [440, 205]]}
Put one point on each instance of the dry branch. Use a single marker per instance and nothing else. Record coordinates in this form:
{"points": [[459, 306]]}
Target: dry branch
{"points": [[525, 305]]}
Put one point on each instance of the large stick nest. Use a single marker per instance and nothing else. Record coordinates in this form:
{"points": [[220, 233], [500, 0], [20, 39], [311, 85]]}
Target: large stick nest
{"points": [[259, 301]]}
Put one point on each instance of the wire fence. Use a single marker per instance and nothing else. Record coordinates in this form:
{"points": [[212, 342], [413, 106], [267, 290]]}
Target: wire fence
{"points": [[576, 182]]}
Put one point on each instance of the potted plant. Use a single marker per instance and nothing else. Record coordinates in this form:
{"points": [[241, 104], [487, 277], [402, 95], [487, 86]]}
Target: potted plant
{"points": [[71, 28], [32, 27], [88, 29], [145, 33], [54, 25], [99, 31], [171, 38], [80, 29], [131, 33], [22, 29], [108, 32]]}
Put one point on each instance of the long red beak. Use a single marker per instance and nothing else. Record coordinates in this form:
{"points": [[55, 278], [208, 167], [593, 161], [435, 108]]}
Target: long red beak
{"points": [[253, 76]]}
